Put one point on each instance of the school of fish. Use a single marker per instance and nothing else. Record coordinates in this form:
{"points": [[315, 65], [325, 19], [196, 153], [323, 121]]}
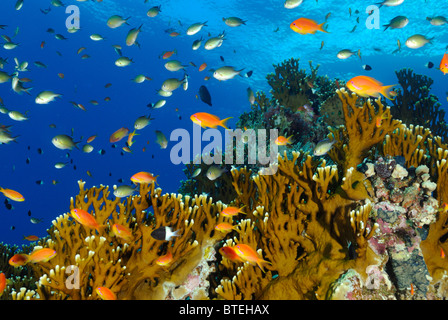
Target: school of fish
{"points": [[13, 77]]}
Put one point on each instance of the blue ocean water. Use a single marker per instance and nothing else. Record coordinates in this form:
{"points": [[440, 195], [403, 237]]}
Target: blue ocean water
{"points": [[266, 39]]}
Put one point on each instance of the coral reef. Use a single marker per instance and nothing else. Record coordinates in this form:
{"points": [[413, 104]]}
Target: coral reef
{"points": [[415, 105], [21, 277], [198, 183], [86, 260], [367, 220]]}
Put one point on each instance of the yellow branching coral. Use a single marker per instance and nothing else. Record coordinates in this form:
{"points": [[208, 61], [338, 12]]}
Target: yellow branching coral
{"points": [[87, 258], [361, 126], [356, 138], [409, 143], [301, 227], [434, 247]]}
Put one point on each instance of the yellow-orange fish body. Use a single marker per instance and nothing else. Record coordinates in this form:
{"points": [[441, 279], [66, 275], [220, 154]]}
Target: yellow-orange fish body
{"points": [[165, 260], [118, 135], [229, 253], [144, 177], [13, 195], [306, 26], [207, 120], [42, 255], [18, 260], [248, 254], [365, 86], [444, 64], [122, 232], [231, 211], [2, 283], [105, 293], [85, 218], [31, 238], [283, 141], [225, 227]]}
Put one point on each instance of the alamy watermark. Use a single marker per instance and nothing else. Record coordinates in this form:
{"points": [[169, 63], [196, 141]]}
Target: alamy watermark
{"points": [[72, 281], [73, 20], [235, 142], [373, 20]]}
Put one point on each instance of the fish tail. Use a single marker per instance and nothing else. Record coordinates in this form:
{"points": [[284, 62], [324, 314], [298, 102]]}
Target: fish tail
{"points": [[290, 139], [100, 228], [321, 27], [173, 234], [222, 123], [385, 91], [262, 264]]}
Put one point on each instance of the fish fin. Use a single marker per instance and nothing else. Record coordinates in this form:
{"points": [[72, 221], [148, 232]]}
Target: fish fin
{"points": [[222, 123], [321, 28], [102, 227], [385, 91], [76, 144], [173, 234], [262, 264], [242, 211], [289, 139]]}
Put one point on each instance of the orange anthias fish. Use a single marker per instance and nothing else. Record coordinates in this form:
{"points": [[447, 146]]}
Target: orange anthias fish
{"points": [[202, 67], [122, 232], [2, 283], [42, 255], [85, 218], [90, 139], [232, 211], [18, 260], [306, 26], [225, 227], [144, 177], [118, 135], [168, 54], [105, 293], [379, 120], [31, 238], [365, 86], [444, 64], [248, 254], [165, 260], [130, 137], [283, 141], [229, 253], [11, 194], [443, 208], [205, 120]]}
